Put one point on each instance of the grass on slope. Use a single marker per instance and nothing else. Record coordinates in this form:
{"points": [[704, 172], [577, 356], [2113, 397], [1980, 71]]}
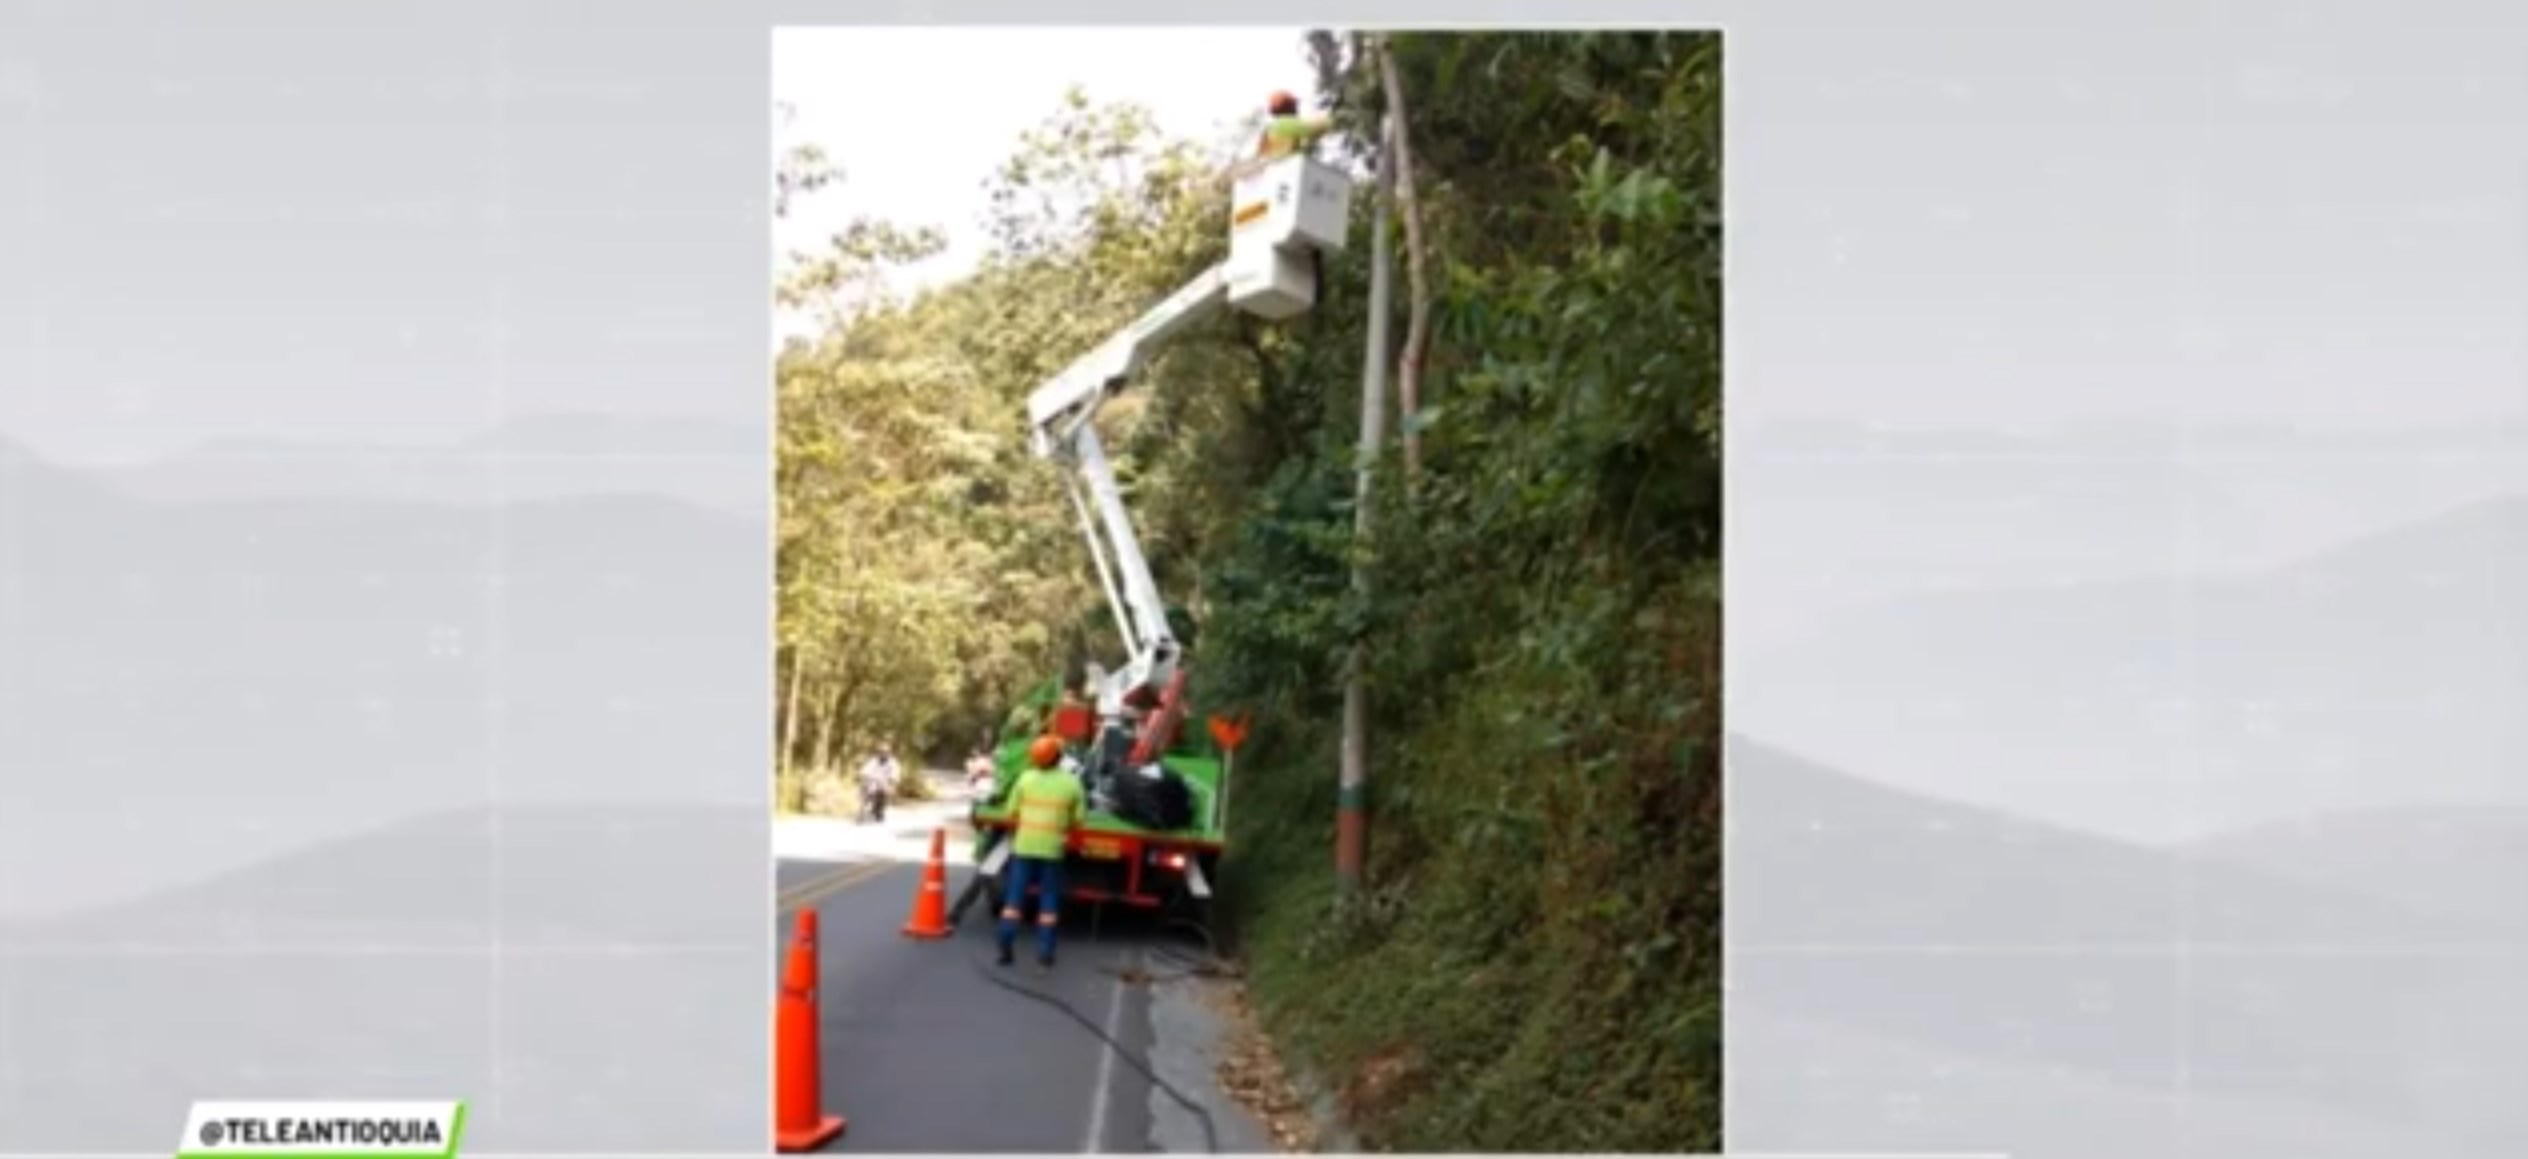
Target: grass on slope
{"points": [[1536, 964]]}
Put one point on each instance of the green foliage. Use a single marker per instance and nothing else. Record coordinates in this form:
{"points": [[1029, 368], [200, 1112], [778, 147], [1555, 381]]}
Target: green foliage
{"points": [[1537, 964], [914, 785], [929, 569], [1542, 942]]}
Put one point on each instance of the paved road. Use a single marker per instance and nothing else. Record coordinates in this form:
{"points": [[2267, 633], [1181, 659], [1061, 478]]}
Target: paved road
{"points": [[923, 1053]]}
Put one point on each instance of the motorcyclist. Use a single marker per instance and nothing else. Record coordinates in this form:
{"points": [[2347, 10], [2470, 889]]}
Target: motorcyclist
{"points": [[878, 776]]}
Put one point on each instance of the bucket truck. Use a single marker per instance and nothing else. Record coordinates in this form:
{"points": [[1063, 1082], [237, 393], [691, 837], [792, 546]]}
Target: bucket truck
{"points": [[1157, 799]]}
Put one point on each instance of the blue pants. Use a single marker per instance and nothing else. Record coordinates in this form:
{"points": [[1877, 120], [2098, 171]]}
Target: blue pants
{"points": [[1046, 875]]}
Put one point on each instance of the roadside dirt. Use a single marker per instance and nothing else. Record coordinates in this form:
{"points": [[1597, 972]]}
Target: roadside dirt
{"points": [[1251, 1071]]}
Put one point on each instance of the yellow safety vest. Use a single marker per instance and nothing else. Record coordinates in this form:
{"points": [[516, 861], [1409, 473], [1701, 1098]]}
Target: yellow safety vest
{"points": [[1049, 804], [1284, 136]]}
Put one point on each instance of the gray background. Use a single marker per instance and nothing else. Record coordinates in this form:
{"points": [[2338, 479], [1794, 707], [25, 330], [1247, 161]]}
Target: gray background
{"points": [[2128, 670], [2128, 423], [384, 617]]}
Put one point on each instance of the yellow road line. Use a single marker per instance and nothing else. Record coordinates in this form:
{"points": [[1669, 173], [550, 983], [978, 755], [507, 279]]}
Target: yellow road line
{"points": [[833, 883]]}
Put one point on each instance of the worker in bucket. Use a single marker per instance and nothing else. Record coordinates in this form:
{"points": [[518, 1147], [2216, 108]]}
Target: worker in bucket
{"points": [[1285, 131], [1049, 805]]}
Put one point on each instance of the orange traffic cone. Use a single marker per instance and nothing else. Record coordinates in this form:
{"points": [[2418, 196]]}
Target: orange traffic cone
{"points": [[930, 902], [798, 1121]]}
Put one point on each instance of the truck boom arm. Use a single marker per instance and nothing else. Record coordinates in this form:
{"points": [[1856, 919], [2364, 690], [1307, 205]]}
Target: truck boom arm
{"points": [[1060, 415], [1283, 215], [1072, 397]]}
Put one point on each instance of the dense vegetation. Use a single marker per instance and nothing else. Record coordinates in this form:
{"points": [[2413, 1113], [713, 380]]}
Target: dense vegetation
{"points": [[1534, 964]]}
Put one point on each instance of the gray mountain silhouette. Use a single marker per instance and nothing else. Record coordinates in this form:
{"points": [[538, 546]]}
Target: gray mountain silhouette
{"points": [[2459, 864], [371, 629], [2136, 437], [2433, 593], [1878, 915], [713, 464], [2176, 706], [586, 876], [384, 799], [478, 952], [255, 658]]}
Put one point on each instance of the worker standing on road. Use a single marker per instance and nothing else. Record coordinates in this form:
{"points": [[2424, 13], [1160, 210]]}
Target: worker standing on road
{"points": [[1049, 805], [1285, 131]]}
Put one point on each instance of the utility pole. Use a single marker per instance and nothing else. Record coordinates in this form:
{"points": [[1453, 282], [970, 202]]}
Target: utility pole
{"points": [[1351, 820]]}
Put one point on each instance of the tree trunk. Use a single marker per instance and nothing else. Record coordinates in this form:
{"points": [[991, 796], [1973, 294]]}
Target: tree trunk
{"points": [[830, 729], [1417, 329], [1351, 824], [825, 733], [790, 713]]}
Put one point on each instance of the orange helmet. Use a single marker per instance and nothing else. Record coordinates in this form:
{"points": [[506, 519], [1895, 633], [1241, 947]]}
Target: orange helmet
{"points": [[1045, 753], [1282, 104]]}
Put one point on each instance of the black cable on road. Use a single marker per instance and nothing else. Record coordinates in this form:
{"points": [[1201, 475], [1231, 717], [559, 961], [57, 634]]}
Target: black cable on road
{"points": [[1202, 1114], [1207, 964]]}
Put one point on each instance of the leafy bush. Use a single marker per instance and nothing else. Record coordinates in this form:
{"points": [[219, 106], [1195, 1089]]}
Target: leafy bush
{"points": [[915, 785]]}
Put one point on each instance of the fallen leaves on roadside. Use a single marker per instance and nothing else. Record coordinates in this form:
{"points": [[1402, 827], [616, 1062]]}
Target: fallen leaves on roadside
{"points": [[1380, 1082], [1250, 1070]]}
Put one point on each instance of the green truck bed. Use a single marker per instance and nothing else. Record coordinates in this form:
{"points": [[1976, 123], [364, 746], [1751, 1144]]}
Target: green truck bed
{"points": [[1112, 859], [1200, 769]]}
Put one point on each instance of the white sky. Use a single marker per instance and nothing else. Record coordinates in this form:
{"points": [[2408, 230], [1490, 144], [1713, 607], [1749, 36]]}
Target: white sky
{"points": [[919, 117]]}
